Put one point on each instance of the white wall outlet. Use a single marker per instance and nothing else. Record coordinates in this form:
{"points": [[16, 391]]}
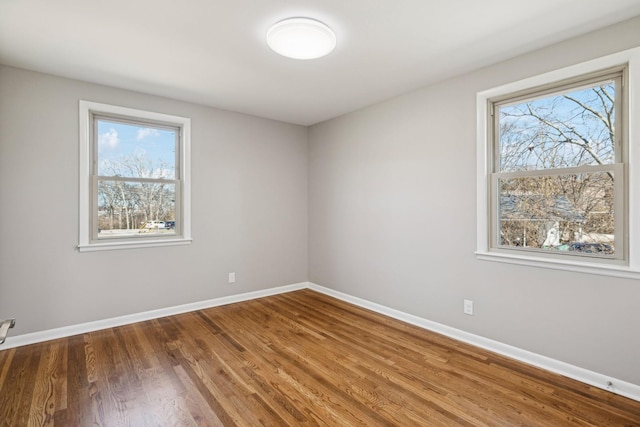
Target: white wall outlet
{"points": [[468, 307], [232, 277]]}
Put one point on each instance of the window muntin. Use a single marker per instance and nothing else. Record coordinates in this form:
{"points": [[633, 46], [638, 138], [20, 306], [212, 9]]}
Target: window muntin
{"points": [[134, 178], [556, 152]]}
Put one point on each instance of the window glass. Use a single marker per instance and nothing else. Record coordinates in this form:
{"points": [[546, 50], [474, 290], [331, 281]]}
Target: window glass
{"points": [[556, 165], [135, 150], [136, 171], [573, 212], [574, 128]]}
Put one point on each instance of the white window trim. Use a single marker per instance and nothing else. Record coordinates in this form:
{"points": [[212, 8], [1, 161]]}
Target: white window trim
{"points": [[631, 269], [87, 108]]}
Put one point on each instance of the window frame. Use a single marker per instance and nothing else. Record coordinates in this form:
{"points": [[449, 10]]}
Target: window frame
{"points": [[618, 75], [629, 157], [88, 197]]}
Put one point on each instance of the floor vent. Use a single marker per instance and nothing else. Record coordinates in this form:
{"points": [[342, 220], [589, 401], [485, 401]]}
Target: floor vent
{"points": [[5, 325]]}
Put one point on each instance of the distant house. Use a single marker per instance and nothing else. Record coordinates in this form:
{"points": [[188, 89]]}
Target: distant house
{"points": [[528, 219]]}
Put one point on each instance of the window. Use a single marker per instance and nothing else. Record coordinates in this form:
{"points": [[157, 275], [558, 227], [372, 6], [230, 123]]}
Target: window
{"points": [[555, 163], [557, 174], [134, 178]]}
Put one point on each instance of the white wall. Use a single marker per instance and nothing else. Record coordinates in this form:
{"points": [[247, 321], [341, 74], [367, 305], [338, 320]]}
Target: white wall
{"points": [[392, 217], [249, 210]]}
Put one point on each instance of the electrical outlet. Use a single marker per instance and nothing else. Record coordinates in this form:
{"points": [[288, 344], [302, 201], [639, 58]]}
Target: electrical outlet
{"points": [[232, 277], [468, 307]]}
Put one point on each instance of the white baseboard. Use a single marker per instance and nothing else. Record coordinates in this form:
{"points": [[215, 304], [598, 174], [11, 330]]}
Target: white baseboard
{"points": [[67, 331], [595, 379]]}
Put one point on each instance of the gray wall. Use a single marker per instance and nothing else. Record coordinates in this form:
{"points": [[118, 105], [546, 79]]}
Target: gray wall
{"points": [[386, 194], [249, 210], [393, 220]]}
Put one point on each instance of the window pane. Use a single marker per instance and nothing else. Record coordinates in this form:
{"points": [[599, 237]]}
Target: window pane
{"points": [[575, 128], [134, 208], [571, 213], [135, 151]]}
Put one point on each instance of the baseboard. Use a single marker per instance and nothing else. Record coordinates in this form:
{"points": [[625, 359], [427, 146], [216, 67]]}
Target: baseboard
{"points": [[595, 379], [617, 386], [67, 331]]}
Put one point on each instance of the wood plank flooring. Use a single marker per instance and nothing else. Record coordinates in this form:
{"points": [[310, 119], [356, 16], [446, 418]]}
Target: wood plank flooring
{"points": [[296, 359]]}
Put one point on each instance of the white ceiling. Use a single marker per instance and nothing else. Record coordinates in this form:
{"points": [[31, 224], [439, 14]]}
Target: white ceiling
{"points": [[213, 52]]}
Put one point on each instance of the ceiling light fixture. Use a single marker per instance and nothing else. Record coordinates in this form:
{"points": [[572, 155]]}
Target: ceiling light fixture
{"points": [[301, 38]]}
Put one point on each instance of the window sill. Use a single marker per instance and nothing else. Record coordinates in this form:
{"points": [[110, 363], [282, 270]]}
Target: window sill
{"points": [[622, 271], [109, 246]]}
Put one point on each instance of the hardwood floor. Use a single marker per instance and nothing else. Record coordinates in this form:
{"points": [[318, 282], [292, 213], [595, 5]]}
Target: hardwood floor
{"points": [[294, 359]]}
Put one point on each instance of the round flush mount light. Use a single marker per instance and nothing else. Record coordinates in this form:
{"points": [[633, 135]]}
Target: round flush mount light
{"points": [[301, 38]]}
